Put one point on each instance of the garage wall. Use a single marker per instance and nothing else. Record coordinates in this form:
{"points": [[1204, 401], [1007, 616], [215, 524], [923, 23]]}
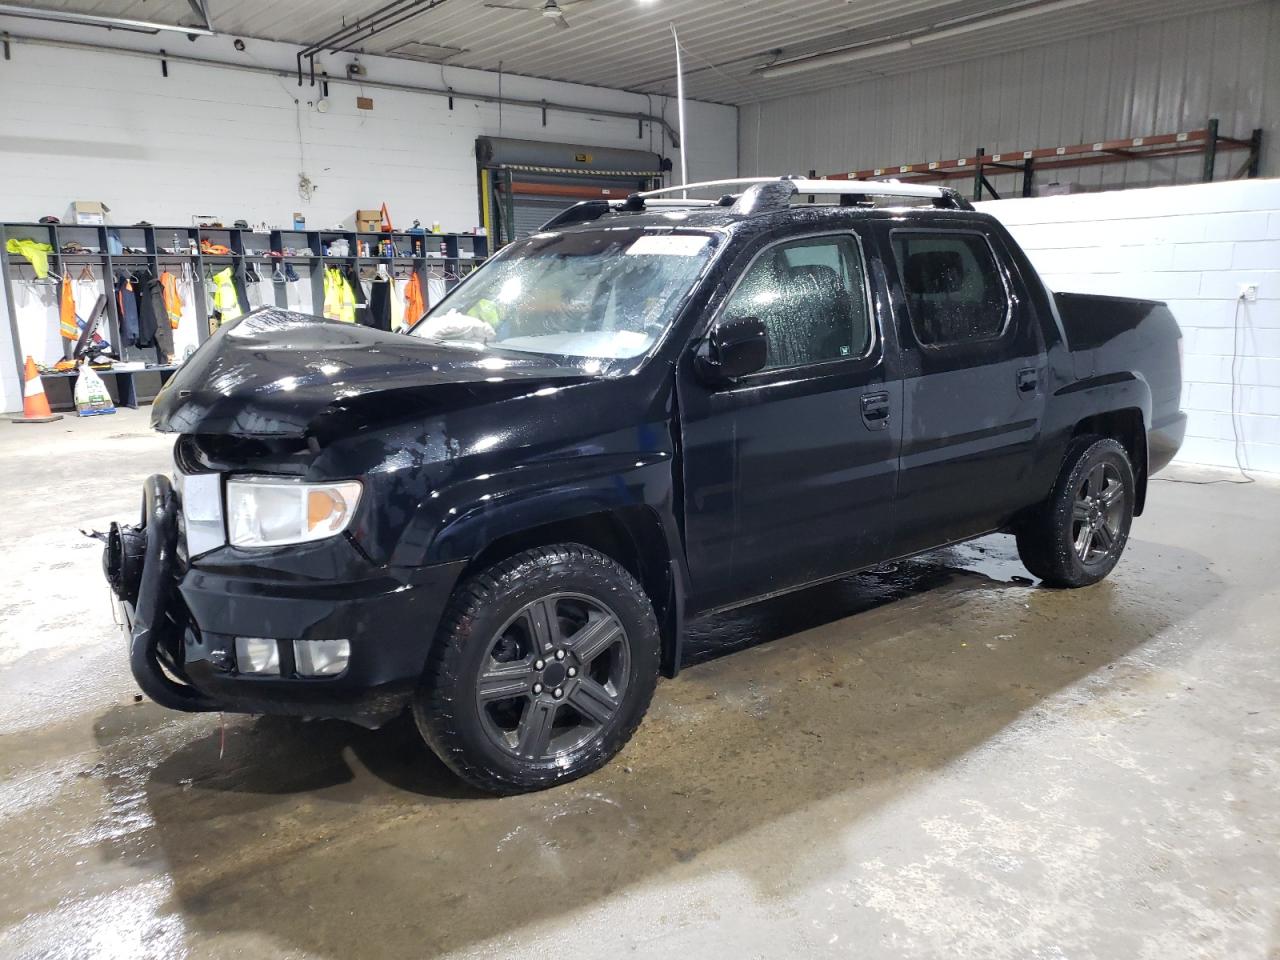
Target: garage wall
{"points": [[1154, 78], [1192, 246], [96, 125]]}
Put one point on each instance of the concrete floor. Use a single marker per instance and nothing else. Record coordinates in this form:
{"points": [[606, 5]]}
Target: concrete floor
{"points": [[937, 759]]}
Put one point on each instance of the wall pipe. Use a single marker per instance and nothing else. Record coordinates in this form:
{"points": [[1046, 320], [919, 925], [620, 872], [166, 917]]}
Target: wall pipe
{"points": [[453, 92]]}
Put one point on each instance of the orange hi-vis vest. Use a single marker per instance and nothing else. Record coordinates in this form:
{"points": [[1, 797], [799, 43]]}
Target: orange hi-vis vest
{"points": [[67, 313], [172, 301]]}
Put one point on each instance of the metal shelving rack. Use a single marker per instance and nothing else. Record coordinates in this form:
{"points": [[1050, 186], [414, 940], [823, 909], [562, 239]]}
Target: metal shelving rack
{"points": [[1208, 142], [157, 247]]}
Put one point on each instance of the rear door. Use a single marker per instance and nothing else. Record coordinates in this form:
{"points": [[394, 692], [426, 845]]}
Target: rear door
{"points": [[789, 473], [973, 373]]}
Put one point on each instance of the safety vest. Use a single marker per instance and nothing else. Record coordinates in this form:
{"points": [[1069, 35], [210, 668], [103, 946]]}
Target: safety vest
{"points": [[172, 299], [67, 312], [339, 298], [486, 310], [225, 299]]}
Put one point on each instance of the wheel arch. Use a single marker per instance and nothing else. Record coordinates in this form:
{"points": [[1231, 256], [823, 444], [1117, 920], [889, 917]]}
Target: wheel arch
{"points": [[1127, 427], [634, 536]]}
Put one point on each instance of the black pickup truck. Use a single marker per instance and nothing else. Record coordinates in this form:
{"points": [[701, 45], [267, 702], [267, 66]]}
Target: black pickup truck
{"points": [[649, 410]]}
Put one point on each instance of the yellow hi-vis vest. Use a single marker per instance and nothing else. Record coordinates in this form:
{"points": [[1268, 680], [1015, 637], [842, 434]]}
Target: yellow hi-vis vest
{"points": [[225, 299], [339, 298]]}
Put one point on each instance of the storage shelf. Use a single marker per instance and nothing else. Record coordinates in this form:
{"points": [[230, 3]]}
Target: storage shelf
{"points": [[245, 250], [1207, 142]]}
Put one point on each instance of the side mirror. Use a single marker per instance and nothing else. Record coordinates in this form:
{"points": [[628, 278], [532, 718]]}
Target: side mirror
{"points": [[733, 349]]}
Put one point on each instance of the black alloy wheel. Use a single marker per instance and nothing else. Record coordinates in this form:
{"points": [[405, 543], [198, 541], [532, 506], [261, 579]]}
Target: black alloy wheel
{"points": [[541, 669], [556, 675], [1077, 535], [1098, 513]]}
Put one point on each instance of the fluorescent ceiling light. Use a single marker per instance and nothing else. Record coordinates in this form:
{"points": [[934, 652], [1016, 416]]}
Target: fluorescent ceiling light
{"points": [[877, 48], [90, 20]]}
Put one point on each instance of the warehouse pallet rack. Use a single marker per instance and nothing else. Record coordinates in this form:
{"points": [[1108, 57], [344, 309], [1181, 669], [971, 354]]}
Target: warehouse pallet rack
{"points": [[1208, 142], [145, 245]]}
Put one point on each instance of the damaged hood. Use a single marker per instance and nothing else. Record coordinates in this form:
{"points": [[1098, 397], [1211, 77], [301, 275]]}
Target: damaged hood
{"points": [[275, 373]]}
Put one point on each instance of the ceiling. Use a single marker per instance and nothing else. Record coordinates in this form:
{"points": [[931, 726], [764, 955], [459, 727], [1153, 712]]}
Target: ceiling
{"points": [[627, 44]]}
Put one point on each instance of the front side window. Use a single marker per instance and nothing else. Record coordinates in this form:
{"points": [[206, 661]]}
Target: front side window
{"points": [[811, 296], [601, 294], [952, 285]]}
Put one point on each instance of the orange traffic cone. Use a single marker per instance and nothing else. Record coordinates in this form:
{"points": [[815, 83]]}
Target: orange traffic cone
{"points": [[35, 405]]}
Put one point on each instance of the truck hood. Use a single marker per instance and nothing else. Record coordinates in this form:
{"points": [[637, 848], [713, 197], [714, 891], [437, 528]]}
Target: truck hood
{"points": [[275, 373]]}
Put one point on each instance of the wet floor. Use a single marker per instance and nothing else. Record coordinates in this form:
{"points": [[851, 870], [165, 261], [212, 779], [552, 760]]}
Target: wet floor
{"points": [[934, 759]]}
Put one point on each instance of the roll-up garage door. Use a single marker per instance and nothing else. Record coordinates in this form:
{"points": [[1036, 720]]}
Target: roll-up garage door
{"points": [[532, 213], [525, 183]]}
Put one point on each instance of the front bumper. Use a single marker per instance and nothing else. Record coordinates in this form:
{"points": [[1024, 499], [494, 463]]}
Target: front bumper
{"points": [[182, 623]]}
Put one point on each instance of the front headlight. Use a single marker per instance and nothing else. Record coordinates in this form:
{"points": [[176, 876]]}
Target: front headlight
{"points": [[270, 511]]}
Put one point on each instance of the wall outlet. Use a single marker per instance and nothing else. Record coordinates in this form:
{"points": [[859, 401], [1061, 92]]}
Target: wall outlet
{"points": [[1249, 291]]}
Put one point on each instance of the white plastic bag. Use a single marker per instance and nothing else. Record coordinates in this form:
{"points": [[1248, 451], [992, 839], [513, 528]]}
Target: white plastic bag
{"points": [[457, 326], [91, 394]]}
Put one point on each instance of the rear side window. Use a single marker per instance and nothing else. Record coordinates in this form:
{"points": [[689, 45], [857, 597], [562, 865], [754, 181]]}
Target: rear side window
{"points": [[952, 285], [811, 296]]}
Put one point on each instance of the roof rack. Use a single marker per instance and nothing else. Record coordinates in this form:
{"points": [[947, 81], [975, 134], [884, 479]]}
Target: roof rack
{"points": [[759, 194], [769, 193], [586, 210]]}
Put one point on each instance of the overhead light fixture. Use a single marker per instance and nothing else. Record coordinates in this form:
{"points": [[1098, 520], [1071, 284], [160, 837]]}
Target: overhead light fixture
{"points": [[91, 20], [879, 48]]}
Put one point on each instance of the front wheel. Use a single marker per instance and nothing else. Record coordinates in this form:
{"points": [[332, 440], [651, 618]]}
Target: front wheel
{"points": [[1077, 535], [543, 667]]}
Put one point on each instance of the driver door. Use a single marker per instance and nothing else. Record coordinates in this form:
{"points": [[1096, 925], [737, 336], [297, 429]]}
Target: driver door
{"points": [[790, 472]]}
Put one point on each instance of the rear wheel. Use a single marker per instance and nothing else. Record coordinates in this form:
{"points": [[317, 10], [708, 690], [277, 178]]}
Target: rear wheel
{"points": [[543, 668], [1077, 535]]}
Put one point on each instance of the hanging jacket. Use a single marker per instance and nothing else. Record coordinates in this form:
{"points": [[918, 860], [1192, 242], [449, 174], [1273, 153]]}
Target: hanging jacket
{"points": [[414, 307], [34, 251], [339, 298], [172, 300], [67, 313], [357, 292], [397, 306], [153, 319], [378, 313], [127, 306], [226, 302]]}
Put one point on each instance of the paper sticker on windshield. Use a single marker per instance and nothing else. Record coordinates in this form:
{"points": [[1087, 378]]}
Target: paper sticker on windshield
{"points": [[667, 245]]}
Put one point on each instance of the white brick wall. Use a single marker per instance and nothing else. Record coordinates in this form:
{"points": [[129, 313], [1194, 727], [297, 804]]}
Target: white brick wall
{"points": [[1192, 246], [99, 125]]}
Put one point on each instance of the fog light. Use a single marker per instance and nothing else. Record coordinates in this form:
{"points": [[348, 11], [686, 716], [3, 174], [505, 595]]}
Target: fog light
{"points": [[257, 655], [321, 658]]}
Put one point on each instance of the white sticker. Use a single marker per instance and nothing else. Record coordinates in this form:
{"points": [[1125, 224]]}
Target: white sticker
{"points": [[667, 245]]}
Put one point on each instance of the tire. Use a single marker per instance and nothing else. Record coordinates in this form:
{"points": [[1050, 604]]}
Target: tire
{"points": [[1076, 537], [542, 669]]}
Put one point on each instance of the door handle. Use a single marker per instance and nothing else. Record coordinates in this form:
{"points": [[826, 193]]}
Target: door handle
{"points": [[875, 410], [1028, 380]]}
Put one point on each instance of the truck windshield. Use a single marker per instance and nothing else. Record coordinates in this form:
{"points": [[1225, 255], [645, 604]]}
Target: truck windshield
{"points": [[603, 294]]}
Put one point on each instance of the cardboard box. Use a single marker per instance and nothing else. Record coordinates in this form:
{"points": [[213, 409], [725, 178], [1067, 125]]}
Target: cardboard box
{"points": [[87, 213], [367, 221]]}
